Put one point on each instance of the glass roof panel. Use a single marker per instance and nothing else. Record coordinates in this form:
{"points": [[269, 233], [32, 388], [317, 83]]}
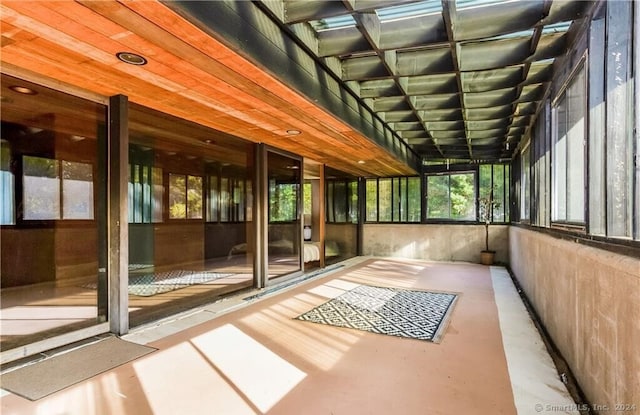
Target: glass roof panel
{"points": [[467, 4], [524, 33], [330, 23], [556, 27], [405, 11]]}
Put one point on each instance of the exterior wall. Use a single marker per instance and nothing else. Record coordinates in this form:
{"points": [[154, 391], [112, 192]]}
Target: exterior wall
{"points": [[589, 301], [435, 242]]}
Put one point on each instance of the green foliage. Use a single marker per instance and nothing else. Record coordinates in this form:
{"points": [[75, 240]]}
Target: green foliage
{"points": [[283, 202], [451, 196]]}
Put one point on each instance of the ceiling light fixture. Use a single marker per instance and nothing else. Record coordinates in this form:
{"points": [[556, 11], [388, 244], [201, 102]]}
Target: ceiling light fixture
{"points": [[76, 138], [22, 90], [131, 58], [361, 161], [293, 132]]}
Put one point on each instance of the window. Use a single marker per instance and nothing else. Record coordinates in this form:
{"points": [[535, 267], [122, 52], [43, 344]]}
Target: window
{"points": [[227, 199], [597, 126], [306, 201], [494, 178], [342, 201], [283, 206], [568, 170], [145, 194], [451, 196], [394, 199], [619, 125], [384, 200], [539, 168], [525, 183], [57, 189], [185, 196], [7, 183], [372, 200]]}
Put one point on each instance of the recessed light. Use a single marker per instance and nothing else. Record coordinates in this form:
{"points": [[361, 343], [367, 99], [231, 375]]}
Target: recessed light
{"points": [[293, 132], [22, 90], [208, 141], [131, 58], [361, 162]]}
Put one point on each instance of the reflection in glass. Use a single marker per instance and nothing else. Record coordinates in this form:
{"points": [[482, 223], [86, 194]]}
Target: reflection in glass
{"points": [[341, 229], [77, 190], [284, 231], [53, 278], [190, 243], [7, 185], [41, 184], [451, 196]]}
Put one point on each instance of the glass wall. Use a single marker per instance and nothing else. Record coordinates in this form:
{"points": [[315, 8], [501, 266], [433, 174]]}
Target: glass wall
{"points": [[284, 205], [451, 196], [53, 217], [584, 142], [568, 153], [394, 199], [190, 214], [341, 229], [494, 184]]}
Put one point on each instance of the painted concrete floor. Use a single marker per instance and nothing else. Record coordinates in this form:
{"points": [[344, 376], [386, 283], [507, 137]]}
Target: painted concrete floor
{"points": [[253, 357]]}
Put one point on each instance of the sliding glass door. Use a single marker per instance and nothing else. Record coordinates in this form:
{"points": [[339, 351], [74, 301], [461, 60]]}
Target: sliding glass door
{"points": [[284, 232], [53, 214]]}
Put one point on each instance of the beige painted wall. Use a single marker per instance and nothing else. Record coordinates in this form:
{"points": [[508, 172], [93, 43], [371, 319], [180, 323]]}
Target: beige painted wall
{"points": [[435, 242], [589, 301]]}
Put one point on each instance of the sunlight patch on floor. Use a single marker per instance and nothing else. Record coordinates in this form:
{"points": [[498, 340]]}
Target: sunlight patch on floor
{"points": [[182, 371], [261, 375], [321, 348]]}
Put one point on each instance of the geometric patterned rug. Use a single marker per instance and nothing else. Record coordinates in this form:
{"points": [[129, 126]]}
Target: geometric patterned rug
{"points": [[147, 285], [392, 311]]}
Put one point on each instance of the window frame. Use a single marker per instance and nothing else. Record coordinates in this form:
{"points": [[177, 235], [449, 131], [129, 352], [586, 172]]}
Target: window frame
{"points": [[398, 189], [20, 194], [186, 176], [454, 171], [581, 226]]}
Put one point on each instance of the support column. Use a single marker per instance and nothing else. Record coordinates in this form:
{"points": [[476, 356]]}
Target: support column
{"points": [[261, 217], [117, 213]]}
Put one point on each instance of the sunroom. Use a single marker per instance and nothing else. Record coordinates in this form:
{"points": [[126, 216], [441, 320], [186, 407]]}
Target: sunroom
{"points": [[158, 157]]}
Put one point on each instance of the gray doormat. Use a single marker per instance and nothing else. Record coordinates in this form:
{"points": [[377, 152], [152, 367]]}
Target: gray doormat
{"points": [[51, 375], [397, 312]]}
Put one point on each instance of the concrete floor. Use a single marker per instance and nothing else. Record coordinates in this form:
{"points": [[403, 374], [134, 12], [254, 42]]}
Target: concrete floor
{"points": [[252, 357]]}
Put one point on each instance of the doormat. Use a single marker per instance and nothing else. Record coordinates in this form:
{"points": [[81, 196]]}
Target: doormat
{"points": [[51, 375], [397, 312], [147, 285]]}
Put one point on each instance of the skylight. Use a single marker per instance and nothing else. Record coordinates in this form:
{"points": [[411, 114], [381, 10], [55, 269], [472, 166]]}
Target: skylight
{"points": [[331, 23], [406, 11], [467, 4], [556, 27], [524, 33]]}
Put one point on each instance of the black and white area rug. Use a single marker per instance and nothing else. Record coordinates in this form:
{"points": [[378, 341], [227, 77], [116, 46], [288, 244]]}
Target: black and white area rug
{"points": [[392, 311], [147, 285]]}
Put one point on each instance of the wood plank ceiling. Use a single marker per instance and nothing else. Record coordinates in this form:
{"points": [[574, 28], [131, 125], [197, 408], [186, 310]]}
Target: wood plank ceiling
{"points": [[189, 75], [449, 79]]}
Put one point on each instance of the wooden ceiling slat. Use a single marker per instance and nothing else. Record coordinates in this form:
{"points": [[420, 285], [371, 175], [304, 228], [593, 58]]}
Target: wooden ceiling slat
{"points": [[195, 77]]}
